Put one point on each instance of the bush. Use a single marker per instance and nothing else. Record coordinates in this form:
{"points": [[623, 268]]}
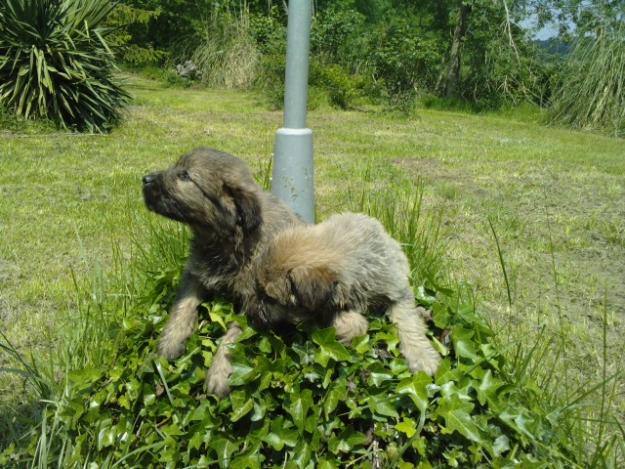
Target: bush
{"points": [[300, 400], [403, 58], [55, 63], [227, 55], [331, 80], [591, 94]]}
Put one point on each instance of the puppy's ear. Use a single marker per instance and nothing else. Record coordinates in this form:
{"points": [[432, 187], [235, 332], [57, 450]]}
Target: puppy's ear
{"points": [[313, 286], [249, 214]]}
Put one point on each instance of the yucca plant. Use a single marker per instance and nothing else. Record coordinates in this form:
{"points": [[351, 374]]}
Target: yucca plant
{"points": [[55, 63]]}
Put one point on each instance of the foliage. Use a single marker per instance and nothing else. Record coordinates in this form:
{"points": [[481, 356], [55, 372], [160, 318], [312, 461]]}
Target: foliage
{"points": [[129, 23], [55, 63], [227, 55], [299, 399], [340, 87], [401, 48], [591, 94]]}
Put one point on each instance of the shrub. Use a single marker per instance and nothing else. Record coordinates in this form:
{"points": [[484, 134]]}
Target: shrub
{"points": [[331, 80], [591, 94], [403, 58], [55, 63], [301, 400], [227, 55]]}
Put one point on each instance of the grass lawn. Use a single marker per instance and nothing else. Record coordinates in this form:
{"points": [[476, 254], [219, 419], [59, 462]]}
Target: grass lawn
{"points": [[555, 198]]}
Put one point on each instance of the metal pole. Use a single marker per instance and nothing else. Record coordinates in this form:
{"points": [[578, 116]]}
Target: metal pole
{"points": [[293, 170]]}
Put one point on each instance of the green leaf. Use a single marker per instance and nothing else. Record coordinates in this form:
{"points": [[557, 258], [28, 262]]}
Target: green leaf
{"points": [[335, 395], [280, 435], [329, 348], [347, 441], [242, 410], [407, 426], [224, 449], [299, 408], [106, 437], [381, 405], [501, 445], [458, 419], [416, 388], [487, 389]]}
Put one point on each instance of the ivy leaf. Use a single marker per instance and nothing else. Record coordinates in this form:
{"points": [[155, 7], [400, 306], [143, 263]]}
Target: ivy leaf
{"points": [[455, 412], [301, 454], [335, 395], [241, 405], [487, 389], [462, 340], [217, 318], [381, 405], [416, 388], [224, 449], [243, 373], [242, 410], [347, 441], [196, 441], [106, 437], [407, 426], [326, 464], [517, 421], [329, 348], [501, 445], [299, 408], [280, 435], [246, 461]]}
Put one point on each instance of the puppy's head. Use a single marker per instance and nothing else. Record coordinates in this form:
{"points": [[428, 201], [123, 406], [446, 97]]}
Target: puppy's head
{"points": [[205, 189], [293, 290]]}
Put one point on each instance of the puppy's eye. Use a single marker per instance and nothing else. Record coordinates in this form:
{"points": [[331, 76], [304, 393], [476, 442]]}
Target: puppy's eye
{"points": [[184, 175]]}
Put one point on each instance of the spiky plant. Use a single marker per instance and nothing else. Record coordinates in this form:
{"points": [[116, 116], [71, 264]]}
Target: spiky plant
{"points": [[55, 63], [592, 92]]}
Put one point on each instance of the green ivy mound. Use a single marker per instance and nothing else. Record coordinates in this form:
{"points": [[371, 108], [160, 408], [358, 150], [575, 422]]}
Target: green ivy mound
{"points": [[302, 400]]}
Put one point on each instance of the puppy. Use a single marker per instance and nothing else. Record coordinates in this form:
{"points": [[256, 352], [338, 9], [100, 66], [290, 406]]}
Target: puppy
{"points": [[337, 271], [232, 221]]}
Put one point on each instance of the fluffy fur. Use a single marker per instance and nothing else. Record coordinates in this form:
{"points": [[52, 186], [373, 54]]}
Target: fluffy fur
{"points": [[337, 271], [232, 221]]}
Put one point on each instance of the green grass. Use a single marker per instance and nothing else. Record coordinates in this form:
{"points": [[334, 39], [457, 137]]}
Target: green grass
{"points": [[70, 205]]}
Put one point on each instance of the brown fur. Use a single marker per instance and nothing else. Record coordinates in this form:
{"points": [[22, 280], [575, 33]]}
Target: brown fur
{"points": [[232, 221], [338, 271]]}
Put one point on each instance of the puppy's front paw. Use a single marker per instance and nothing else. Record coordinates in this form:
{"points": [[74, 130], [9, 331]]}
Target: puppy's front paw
{"points": [[428, 360], [348, 325], [170, 347], [218, 376]]}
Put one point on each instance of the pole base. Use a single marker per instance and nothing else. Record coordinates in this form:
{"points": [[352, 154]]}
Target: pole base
{"points": [[293, 171]]}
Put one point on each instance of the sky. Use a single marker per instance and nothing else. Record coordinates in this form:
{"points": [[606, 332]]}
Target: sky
{"points": [[549, 30]]}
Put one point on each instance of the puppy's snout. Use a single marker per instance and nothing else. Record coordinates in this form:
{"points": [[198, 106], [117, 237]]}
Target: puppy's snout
{"points": [[148, 179]]}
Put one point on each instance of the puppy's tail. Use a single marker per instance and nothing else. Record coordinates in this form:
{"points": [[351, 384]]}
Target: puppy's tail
{"points": [[413, 343]]}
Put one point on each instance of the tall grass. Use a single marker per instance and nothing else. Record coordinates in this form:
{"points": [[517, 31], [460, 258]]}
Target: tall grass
{"points": [[592, 93], [227, 55], [589, 412]]}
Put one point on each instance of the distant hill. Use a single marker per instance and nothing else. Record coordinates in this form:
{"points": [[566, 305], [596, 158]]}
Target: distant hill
{"points": [[554, 46]]}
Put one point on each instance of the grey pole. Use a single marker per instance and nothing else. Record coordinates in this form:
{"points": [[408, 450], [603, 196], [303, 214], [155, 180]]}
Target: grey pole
{"points": [[293, 170]]}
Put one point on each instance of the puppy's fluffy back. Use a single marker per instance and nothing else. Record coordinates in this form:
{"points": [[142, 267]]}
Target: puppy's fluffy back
{"points": [[354, 246]]}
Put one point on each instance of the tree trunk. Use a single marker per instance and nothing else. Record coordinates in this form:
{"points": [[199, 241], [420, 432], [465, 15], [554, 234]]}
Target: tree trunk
{"points": [[452, 77]]}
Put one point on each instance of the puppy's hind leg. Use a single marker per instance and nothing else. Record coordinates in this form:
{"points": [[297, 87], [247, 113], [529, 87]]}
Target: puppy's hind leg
{"points": [[182, 318], [413, 342], [349, 324], [219, 373]]}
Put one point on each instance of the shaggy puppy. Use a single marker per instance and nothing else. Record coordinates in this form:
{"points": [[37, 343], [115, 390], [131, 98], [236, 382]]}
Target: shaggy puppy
{"points": [[232, 221], [335, 272]]}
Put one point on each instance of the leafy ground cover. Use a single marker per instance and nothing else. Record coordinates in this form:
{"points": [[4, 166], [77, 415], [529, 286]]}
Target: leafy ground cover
{"points": [[71, 204], [295, 402]]}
